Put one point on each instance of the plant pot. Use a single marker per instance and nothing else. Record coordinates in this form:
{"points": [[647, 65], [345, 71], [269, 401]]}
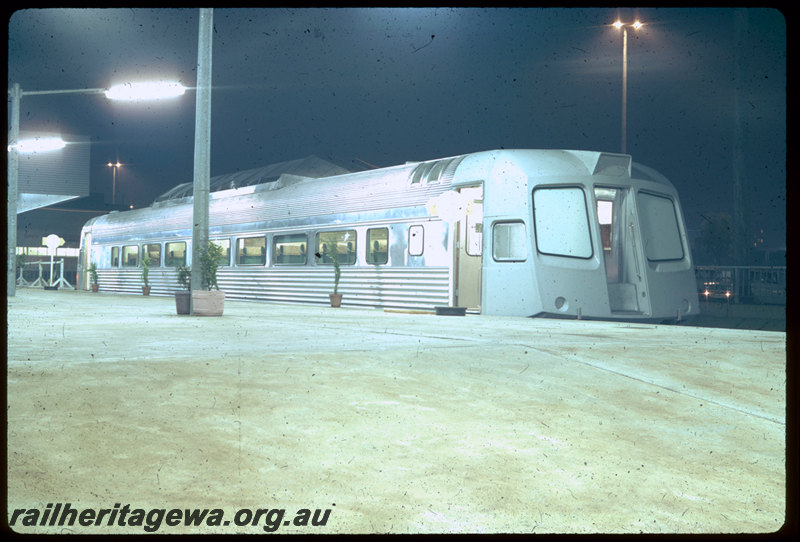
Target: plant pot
{"points": [[451, 311], [145, 290], [182, 301], [336, 300], [208, 302], [95, 287]]}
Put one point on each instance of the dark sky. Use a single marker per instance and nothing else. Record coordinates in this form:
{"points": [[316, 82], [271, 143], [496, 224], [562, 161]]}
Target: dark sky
{"points": [[385, 86]]}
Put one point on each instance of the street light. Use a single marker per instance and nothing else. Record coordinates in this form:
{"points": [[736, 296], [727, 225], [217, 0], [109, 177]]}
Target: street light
{"points": [[636, 25], [114, 167], [202, 147], [148, 90], [141, 91], [39, 144]]}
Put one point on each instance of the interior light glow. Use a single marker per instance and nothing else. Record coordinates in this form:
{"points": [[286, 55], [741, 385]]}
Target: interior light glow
{"points": [[39, 144], [155, 90], [618, 25]]}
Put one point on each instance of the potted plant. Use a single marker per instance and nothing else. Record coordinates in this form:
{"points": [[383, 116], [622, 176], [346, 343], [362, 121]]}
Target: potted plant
{"points": [[336, 297], [211, 300], [146, 275], [93, 275], [183, 297]]}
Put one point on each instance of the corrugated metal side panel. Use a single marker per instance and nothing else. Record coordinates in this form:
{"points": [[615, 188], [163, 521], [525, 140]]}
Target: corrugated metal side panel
{"points": [[65, 172], [414, 287]]}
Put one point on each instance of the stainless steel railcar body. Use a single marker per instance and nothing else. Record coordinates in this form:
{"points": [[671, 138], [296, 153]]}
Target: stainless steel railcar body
{"points": [[508, 232]]}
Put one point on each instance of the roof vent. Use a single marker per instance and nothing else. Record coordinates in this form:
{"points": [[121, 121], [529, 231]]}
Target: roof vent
{"points": [[618, 165], [435, 171]]}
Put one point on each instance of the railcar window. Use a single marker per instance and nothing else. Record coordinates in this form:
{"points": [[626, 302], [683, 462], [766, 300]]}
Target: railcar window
{"points": [[343, 242], [251, 251], [509, 242], [114, 256], [175, 254], [378, 245], [561, 222], [660, 233], [130, 256], [416, 240], [290, 249], [225, 259], [605, 215], [153, 252]]}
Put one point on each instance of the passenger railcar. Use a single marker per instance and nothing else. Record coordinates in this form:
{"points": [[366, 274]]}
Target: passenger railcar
{"points": [[506, 232]]}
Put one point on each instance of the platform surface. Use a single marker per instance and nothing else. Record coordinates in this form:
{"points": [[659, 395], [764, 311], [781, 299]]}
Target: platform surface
{"points": [[392, 422]]}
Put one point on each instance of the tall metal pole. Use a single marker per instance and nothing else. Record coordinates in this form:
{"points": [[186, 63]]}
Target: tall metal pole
{"points": [[202, 146], [739, 171], [13, 180], [624, 87]]}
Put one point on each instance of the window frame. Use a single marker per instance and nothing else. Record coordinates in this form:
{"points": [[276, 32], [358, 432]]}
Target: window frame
{"points": [[494, 241], [124, 259], [588, 222], [275, 241], [421, 242], [166, 252], [342, 261], [225, 243], [154, 262], [370, 252], [677, 226], [241, 240], [115, 262]]}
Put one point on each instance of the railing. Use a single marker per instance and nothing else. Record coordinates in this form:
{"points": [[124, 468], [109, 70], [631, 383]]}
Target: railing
{"points": [[44, 278], [741, 284]]}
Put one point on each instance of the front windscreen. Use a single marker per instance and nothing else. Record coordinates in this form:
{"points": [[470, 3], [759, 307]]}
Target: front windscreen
{"points": [[561, 222], [660, 232]]}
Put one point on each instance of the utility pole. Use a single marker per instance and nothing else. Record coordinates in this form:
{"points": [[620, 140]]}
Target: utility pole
{"points": [[739, 176], [13, 183], [202, 146]]}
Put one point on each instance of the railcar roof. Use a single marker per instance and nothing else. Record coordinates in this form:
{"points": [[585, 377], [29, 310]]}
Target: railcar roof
{"points": [[310, 166]]}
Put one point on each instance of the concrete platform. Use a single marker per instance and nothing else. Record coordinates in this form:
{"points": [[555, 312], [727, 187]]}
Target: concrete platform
{"points": [[395, 423]]}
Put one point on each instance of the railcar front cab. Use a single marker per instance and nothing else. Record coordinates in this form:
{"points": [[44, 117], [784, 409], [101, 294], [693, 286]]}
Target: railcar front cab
{"points": [[611, 245]]}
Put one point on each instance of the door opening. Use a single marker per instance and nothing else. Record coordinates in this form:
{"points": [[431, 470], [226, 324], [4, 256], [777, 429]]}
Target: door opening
{"points": [[469, 251], [619, 254]]}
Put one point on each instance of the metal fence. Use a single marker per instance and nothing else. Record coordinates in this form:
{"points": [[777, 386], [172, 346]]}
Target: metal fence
{"points": [[742, 284]]}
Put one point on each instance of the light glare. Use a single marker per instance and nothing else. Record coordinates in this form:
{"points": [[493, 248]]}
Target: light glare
{"points": [[145, 91], [39, 144]]}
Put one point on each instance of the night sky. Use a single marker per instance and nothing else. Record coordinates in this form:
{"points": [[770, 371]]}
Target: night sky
{"points": [[385, 86]]}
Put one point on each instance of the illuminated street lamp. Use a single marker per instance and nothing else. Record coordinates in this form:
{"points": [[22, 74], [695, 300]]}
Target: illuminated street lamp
{"points": [[39, 144], [114, 167], [636, 25], [135, 92], [143, 91]]}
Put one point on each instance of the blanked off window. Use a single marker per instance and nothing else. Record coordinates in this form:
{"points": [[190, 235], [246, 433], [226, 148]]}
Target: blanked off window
{"points": [[508, 242]]}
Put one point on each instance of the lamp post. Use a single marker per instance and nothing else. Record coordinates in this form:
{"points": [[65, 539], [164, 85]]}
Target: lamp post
{"points": [[114, 181], [624, 27], [202, 148], [126, 91]]}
